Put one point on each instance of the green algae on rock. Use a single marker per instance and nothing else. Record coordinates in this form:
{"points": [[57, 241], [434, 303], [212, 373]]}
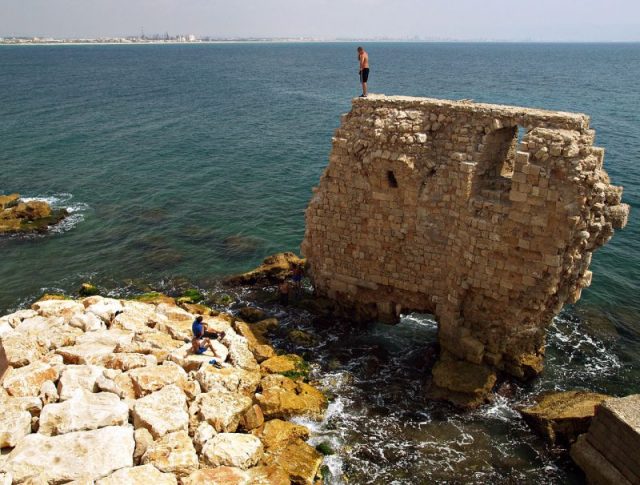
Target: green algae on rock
{"points": [[20, 217]]}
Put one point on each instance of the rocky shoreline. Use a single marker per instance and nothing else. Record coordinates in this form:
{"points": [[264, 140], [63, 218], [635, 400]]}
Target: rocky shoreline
{"points": [[101, 390], [18, 216]]}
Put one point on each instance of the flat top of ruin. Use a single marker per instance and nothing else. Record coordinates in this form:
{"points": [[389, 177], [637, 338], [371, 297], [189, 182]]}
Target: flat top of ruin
{"points": [[577, 121]]}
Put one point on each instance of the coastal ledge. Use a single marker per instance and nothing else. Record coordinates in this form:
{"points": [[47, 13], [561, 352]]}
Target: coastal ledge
{"points": [[485, 216], [108, 391]]}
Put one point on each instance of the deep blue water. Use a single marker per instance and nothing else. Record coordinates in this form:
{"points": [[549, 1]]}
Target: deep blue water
{"points": [[196, 161]]}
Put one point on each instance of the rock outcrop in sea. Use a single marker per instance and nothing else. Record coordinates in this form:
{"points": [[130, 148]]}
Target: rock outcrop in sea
{"points": [[107, 391], [25, 217]]}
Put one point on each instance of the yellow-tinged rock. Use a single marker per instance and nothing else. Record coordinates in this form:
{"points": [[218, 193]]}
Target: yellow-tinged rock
{"points": [[282, 363], [300, 461], [294, 399], [273, 269], [173, 453], [258, 343], [10, 200], [252, 419], [233, 449], [221, 409], [139, 475], [26, 381], [277, 434], [561, 416], [462, 383], [15, 424], [162, 412], [150, 379], [21, 349], [230, 379], [268, 475], [221, 475]]}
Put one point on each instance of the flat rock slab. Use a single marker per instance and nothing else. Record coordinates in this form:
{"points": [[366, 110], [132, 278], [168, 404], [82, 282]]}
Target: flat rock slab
{"points": [[84, 411], [230, 379], [78, 377], [233, 449], [139, 475], [81, 455], [150, 379], [86, 353], [162, 412], [221, 475]]}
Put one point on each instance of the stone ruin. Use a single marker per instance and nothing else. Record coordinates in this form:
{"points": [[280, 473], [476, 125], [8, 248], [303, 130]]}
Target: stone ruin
{"points": [[485, 216]]}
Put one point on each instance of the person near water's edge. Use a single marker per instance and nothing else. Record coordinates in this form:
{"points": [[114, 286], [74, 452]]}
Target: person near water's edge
{"points": [[202, 339], [363, 59]]}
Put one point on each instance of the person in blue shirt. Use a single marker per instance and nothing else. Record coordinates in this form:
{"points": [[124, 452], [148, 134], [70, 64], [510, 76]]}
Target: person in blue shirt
{"points": [[202, 338]]}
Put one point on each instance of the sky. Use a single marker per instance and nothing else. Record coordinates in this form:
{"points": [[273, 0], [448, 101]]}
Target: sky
{"points": [[539, 20]]}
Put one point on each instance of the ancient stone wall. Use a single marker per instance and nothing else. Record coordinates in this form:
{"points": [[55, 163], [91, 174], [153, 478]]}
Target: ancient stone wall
{"points": [[485, 216]]}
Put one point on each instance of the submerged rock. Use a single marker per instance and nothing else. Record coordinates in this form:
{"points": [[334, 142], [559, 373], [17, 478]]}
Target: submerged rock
{"points": [[560, 417], [462, 383]]}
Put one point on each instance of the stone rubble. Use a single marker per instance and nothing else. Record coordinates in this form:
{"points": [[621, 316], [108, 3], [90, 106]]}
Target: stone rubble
{"points": [[443, 207], [124, 401]]}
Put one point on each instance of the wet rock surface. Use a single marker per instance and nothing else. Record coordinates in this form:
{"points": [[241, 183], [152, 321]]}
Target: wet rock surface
{"points": [[26, 217]]}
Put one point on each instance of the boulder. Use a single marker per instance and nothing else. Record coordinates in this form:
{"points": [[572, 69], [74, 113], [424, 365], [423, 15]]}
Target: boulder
{"points": [[84, 411], [143, 440], [189, 361], [162, 412], [137, 319], [301, 338], [57, 308], [84, 454], [174, 312], [14, 425], [560, 417], [78, 377], [50, 332], [462, 383], [128, 361], [112, 338], [13, 319], [203, 433], [300, 461], [233, 449], [221, 409], [221, 475], [21, 349], [230, 379], [86, 353], [273, 269], [105, 308], [48, 393], [252, 314], [26, 381], [88, 322], [291, 399], [282, 363], [268, 475], [277, 434], [256, 341], [7, 201], [157, 344], [139, 475], [88, 289], [239, 353], [33, 405], [177, 329], [150, 379], [252, 419], [173, 453]]}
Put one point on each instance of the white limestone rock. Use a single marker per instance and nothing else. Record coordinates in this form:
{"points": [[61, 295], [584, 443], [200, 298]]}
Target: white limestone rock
{"points": [[222, 409], [239, 353], [80, 455], [49, 392], [57, 308], [14, 425], [88, 322], [112, 337], [232, 379], [233, 449], [6, 478], [13, 319], [150, 379], [84, 411], [139, 475], [162, 412], [105, 308], [85, 353], [76, 377], [21, 349], [26, 381], [203, 434], [127, 361], [173, 453], [143, 440]]}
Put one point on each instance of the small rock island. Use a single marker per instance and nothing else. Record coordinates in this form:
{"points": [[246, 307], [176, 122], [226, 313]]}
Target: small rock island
{"points": [[18, 216]]}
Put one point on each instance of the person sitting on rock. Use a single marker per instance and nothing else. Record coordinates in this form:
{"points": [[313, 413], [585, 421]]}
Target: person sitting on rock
{"points": [[202, 338]]}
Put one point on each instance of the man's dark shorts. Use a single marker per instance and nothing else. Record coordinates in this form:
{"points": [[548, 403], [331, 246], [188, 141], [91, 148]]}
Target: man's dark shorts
{"points": [[364, 75]]}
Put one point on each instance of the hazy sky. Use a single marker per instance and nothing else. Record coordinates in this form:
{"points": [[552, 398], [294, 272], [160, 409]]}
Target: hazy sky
{"points": [[572, 20]]}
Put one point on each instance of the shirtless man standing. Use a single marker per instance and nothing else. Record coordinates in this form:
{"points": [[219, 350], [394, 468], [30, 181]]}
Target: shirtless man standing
{"points": [[363, 58]]}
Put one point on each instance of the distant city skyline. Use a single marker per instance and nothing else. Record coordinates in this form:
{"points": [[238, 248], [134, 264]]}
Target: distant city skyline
{"points": [[492, 20]]}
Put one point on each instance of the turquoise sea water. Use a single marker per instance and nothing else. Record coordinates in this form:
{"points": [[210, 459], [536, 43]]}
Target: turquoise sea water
{"points": [[193, 162]]}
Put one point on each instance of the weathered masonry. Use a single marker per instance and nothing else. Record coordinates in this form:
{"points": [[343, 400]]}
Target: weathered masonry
{"points": [[485, 216]]}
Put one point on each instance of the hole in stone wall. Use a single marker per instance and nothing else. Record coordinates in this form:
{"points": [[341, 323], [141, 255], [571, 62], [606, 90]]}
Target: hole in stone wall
{"points": [[497, 161], [522, 131], [391, 178]]}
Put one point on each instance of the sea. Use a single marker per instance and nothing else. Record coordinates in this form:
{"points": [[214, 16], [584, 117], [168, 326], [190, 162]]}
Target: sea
{"points": [[181, 164]]}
